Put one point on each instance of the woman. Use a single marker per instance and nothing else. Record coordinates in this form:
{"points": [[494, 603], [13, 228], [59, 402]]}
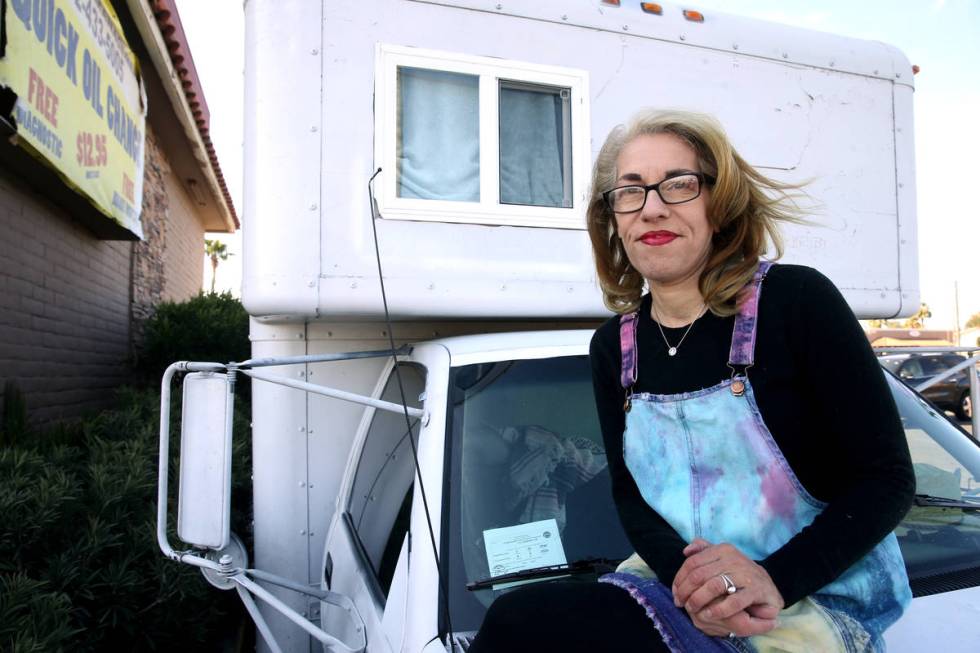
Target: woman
{"points": [[758, 461]]}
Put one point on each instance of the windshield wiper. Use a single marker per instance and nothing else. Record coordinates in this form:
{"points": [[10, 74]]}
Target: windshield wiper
{"points": [[930, 501], [585, 566]]}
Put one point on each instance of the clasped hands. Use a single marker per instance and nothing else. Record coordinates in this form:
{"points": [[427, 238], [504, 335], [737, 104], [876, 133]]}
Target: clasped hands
{"points": [[700, 588]]}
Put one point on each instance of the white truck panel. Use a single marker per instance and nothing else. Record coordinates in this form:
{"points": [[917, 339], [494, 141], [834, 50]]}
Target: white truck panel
{"points": [[282, 157], [279, 476], [958, 612], [905, 181], [830, 111], [719, 31], [422, 605], [303, 444]]}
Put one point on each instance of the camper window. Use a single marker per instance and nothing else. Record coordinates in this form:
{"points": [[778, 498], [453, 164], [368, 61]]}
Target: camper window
{"points": [[535, 145], [438, 150], [480, 139]]}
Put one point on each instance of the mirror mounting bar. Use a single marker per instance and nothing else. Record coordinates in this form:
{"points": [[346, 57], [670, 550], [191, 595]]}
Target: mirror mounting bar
{"points": [[246, 586]]}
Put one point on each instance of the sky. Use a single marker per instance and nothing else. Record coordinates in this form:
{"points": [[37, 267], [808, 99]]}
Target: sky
{"points": [[942, 37]]}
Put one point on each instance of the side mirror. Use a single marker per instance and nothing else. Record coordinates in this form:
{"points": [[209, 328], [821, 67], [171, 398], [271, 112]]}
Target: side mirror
{"points": [[204, 499]]}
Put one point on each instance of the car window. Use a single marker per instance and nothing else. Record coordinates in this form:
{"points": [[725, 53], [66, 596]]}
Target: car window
{"points": [[936, 472], [893, 364], [381, 497], [911, 369], [950, 361], [938, 544], [932, 365]]}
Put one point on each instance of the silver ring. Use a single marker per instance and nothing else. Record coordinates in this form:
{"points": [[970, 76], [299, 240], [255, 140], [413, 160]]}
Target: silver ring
{"points": [[729, 584], [732, 635]]}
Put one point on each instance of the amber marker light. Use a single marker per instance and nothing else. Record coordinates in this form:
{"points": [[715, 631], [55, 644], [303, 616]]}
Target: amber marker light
{"points": [[614, 3], [694, 16], [652, 8]]}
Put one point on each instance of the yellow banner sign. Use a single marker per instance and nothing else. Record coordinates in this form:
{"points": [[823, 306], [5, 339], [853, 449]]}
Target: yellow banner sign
{"points": [[81, 106]]}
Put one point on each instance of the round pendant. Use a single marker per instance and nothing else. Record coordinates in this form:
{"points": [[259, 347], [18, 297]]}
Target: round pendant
{"points": [[672, 351], [738, 387]]}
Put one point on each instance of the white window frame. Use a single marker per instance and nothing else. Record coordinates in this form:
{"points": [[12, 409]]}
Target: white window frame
{"points": [[489, 210]]}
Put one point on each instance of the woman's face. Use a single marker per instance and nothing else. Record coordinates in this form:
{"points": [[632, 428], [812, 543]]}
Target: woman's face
{"points": [[666, 243]]}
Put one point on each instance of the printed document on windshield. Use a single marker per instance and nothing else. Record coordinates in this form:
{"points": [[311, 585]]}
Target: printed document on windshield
{"points": [[525, 546]]}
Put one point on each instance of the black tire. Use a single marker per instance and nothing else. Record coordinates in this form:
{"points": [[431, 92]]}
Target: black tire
{"points": [[964, 408]]}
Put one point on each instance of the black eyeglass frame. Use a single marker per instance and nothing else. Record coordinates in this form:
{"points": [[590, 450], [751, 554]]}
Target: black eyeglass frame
{"points": [[702, 180]]}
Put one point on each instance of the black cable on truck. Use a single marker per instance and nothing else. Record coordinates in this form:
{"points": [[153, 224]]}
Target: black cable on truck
{"points": [[444, 590]]}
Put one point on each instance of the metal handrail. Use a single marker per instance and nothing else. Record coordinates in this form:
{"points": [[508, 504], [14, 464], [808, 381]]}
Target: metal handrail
{"points": [[404, 350], [333, 393], [972, 360]]}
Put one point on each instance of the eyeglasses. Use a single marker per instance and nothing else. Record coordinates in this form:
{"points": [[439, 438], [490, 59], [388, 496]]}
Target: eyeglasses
{"points": [[672, 190]]}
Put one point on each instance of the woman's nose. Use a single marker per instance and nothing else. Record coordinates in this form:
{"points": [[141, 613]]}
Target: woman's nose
{"points": [[654, 207]]}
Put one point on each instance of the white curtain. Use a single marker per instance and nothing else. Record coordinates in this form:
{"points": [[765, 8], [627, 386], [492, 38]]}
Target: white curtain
{"points": [[439, 135], [531, 145]]}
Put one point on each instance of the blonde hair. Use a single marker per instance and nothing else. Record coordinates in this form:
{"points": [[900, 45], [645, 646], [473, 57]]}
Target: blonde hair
{"points": [[741, 213]]}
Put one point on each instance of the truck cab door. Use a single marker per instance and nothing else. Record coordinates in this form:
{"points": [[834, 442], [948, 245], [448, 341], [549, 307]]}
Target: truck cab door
{"points": [[369, 535]]}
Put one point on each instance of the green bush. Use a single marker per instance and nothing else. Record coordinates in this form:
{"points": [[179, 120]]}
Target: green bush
{"points": [[13, 418], [80, 568], [209, 327]]}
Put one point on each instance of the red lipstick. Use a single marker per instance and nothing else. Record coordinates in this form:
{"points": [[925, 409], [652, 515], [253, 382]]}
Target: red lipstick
{"points": [[657, 238]]}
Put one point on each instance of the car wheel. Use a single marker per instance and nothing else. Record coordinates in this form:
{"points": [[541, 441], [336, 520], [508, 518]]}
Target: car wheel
{"points": [[964, 410]]}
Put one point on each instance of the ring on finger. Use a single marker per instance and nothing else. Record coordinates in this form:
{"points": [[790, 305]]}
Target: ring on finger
{"points": [[732, 635], [730, 587]]}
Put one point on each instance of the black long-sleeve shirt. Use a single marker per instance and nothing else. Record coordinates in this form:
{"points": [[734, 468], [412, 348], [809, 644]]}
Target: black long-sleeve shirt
{"points": [[822, 394]]}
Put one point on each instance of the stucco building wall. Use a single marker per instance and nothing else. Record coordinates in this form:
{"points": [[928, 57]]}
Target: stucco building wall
{"points": [[183, 272]]}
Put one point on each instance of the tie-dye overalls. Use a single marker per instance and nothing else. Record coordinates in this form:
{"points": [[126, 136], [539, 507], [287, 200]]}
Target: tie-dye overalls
{"points": [[706, 462]]}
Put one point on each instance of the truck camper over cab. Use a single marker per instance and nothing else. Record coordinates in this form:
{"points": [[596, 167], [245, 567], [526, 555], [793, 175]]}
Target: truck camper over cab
{"points": [[484, 119]]}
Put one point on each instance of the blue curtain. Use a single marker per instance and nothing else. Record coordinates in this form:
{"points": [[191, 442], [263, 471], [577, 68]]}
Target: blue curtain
{"points": [[438, 135], [531, 145]]}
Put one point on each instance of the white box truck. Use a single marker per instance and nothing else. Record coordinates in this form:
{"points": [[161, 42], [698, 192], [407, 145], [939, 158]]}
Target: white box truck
{"points": [[484, 118]]}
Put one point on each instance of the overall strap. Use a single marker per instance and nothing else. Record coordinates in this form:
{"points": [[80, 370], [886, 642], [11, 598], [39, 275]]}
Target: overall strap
{"points": [[627, 344], [743, 335]]}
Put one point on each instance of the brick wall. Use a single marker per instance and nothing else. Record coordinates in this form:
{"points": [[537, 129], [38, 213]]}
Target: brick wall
{"points": [[64, 306], [72, 306]]}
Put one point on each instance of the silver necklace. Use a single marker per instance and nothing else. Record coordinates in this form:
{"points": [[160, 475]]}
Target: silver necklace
{"points": [[672, 349]]}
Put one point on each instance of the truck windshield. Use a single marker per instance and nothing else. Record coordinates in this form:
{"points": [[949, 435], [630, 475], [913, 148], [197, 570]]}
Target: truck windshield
{"points": [[527, 484]]}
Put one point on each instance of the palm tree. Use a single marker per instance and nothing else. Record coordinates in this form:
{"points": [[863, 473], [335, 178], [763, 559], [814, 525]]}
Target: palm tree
{"points": [[918, 321], [218, 251]]}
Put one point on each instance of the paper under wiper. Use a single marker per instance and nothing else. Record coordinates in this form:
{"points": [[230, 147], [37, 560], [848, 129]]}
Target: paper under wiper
{"points": [[522, 547], [585, 566]]}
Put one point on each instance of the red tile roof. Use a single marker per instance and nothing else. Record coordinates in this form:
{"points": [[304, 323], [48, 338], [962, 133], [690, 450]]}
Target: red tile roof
{"points": [[168, 20]]}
